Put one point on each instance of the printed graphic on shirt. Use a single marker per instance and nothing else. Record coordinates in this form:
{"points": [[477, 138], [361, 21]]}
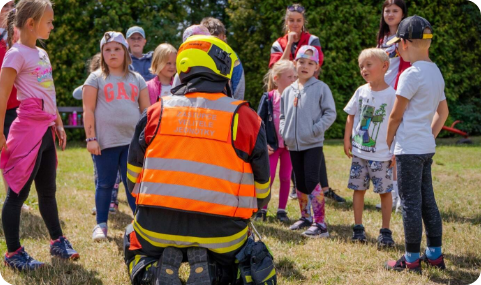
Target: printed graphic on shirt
{"points": [[367, 130], [391, 50], [44, 72]]}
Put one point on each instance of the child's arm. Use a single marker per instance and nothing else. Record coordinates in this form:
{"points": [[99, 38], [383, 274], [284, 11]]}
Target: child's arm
{"points": [[7, 77], [329, 113], [396, 117], [348, 135], [144, 100], [89, 97], [60, 131], [440, 118], [282, 116]]}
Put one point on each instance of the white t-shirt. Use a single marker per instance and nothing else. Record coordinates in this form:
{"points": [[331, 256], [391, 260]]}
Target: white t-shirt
{"points": [[423, 85], [165, 91], [371, 110], [394, 61]]}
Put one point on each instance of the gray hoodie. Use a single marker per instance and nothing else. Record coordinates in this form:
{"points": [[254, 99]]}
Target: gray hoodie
{"points": [[303, 127]]}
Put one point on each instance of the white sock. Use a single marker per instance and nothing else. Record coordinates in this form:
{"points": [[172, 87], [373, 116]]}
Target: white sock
{"points": [[395, 191]]}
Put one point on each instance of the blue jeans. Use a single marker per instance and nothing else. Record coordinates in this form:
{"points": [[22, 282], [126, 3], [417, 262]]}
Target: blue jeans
{"points": [[108, 164]]}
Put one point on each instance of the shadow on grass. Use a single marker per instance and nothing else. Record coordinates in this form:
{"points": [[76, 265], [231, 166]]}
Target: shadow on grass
{"points": [[62, 273], [453, 217], [32, 226], [280, 231], [287, 269], [120, 220]]}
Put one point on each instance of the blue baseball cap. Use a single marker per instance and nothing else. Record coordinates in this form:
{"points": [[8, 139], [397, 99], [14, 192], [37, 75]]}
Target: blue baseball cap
{"points": [[135, 29]]}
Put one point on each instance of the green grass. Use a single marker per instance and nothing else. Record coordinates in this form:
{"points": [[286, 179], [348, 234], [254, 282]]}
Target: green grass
{"points": [[456, 175]]}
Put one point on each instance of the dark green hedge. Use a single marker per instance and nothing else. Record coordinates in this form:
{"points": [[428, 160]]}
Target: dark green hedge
{"points": [[344, 28]]}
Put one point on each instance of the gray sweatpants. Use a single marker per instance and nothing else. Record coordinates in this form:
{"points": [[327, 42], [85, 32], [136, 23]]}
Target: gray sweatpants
{"points": [[418, 202]]}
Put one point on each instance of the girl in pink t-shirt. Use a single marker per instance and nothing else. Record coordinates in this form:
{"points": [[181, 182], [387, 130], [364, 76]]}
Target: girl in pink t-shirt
{"points": [[278, 78], [29, 154]]}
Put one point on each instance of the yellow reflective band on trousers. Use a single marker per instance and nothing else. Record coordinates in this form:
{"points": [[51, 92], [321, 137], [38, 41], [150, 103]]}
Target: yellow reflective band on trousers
{"points": [[214, 244]]}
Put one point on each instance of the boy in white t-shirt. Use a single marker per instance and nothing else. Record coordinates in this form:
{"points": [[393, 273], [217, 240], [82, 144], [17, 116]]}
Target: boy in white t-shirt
{"points": [[365, 142], [419, 113]]}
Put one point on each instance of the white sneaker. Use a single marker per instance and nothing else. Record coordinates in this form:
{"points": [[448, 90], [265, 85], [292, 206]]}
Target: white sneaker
{"points": [[94, 211], [100, 232]]}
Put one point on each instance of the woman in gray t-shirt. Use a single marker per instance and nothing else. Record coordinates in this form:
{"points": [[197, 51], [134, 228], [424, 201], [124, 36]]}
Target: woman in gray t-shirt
{"points": [[113, 99]]}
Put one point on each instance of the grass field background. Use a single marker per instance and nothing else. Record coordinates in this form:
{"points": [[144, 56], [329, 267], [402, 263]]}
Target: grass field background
{"points": [[457, 182]]}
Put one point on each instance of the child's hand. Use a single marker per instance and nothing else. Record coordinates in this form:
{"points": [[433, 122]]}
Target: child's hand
{"points": [[62, 137], [93, 147], [291, 38], [348, 148], [270, 150], [393, 161]]}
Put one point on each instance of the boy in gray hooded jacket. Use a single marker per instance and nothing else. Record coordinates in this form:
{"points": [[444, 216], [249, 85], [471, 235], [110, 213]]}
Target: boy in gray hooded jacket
{"points": [[307, 111]]}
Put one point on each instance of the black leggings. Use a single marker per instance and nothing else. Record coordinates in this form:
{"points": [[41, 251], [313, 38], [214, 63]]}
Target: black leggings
{"points": [[323, 174], [309, 167], [44, 174], [418, 201]]}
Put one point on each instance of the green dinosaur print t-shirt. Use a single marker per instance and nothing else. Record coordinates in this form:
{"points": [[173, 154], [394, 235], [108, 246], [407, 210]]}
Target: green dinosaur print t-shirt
{"points": [[371, 110]]}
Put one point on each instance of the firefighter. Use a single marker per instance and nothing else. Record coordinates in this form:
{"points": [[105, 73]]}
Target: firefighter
{"points": [[198, 167]]}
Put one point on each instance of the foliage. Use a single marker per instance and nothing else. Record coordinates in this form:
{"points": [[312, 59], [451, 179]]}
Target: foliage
{"points": [[344, 28], [347, 27]]}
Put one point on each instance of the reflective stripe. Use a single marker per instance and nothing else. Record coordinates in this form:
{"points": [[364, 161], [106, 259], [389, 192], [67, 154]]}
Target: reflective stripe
{"points": [[133, 168], [132, 176], [262, 190], [236, 123], [199, 194], [199, 168], [215, 244], [222, 104], [136, 189]]}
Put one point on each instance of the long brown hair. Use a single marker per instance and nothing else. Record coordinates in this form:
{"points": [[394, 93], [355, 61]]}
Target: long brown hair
{"points": [[24, 10], [383, 26]]}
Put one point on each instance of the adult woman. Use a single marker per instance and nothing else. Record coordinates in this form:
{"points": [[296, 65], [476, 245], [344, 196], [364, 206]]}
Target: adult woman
{"points": [[296, 35]]}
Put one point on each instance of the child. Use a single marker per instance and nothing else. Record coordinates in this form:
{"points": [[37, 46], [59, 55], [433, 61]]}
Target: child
{"points": [[419, 113], [163, 64], [217, 29], [393, 12], [29, 154], [365, 142], [108, 92], [307, 111], [141, 61], [278, 78], [94, 65]]}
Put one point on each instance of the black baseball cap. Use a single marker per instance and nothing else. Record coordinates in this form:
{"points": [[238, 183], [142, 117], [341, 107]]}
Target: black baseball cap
{"points": [[412, 28]]}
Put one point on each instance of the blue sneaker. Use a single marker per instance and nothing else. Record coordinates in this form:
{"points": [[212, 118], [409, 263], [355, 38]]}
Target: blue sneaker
{"points": [[22, 261], [63, 249]]}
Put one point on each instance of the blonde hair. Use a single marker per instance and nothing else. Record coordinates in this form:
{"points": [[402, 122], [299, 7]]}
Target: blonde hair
{"points": [[374, 52], [24, 10], [94, 62], [422, 43], [159, 60], [277, 69], [125, 66]]}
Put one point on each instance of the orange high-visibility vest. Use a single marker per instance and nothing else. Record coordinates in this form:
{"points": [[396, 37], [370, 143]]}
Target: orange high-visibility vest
{"points": [[191, 164]]}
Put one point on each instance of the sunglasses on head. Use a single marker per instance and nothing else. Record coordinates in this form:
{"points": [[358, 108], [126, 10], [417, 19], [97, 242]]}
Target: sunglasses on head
{"points": [[296, 8]]}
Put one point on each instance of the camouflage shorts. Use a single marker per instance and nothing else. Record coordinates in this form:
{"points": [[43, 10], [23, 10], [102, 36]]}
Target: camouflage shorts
{"points": [[363, 171]]}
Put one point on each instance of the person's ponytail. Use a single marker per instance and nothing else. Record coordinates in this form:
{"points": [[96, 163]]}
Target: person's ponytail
{"points": [[10, 26]]}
